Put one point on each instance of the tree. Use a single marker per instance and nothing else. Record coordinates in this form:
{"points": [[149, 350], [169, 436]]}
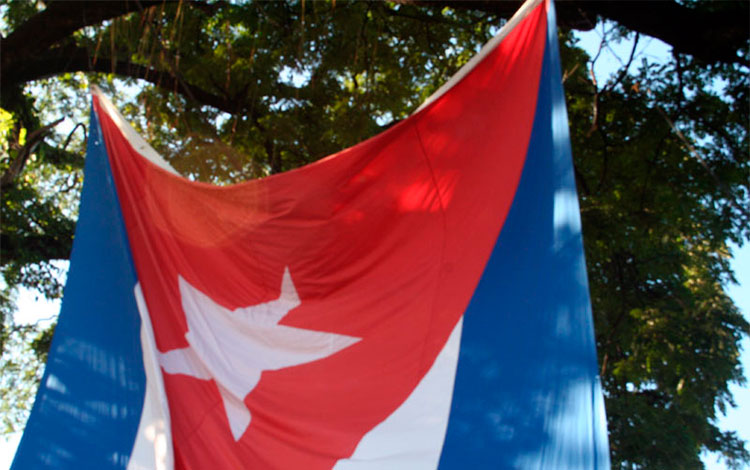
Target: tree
{"points": [[234, 91]]}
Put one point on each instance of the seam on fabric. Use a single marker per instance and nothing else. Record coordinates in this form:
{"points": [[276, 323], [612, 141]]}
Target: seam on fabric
{"points": [[194, 431], [441, 263]]}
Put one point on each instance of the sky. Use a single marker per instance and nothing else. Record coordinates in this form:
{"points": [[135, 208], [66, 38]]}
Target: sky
{"points": [[611, 58], [738, 418]]}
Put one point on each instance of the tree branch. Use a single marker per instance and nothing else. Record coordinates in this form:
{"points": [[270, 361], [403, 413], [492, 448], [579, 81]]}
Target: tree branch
{"points": [[57, 22], [77, 59], [33, 140], [712, 32]]}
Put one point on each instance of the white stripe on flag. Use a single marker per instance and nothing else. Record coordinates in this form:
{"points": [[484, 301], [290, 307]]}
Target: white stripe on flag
{"points": [[412, 437], [152, 449]]}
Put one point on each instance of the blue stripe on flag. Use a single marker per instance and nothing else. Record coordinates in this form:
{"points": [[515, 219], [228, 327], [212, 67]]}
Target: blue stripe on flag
{"points": [[527, 394], [89, 405]]}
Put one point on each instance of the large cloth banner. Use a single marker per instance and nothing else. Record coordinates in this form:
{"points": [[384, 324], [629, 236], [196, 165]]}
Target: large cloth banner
{"points": [[417, 301]]}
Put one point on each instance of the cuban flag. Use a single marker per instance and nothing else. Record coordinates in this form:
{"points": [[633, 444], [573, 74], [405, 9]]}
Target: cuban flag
{"points": [[417, 301]]}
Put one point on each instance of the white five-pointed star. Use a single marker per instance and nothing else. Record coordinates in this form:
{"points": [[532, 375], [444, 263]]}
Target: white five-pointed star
{"points": [[234, 347]]}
